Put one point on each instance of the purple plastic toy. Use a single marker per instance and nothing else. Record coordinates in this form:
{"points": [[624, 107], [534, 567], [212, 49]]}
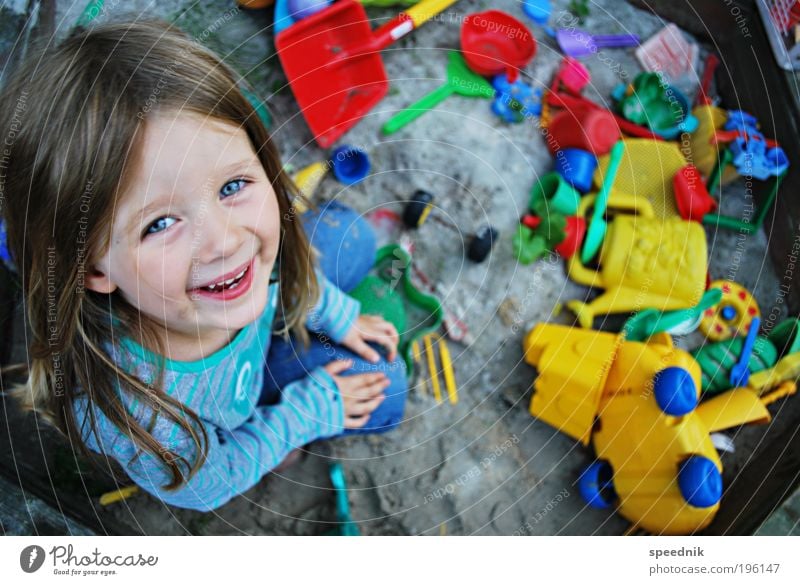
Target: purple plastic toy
{"points": [[576, 43]]}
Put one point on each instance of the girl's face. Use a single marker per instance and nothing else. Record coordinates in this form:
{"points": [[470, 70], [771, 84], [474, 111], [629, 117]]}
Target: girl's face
{"points": [[195, 235]]}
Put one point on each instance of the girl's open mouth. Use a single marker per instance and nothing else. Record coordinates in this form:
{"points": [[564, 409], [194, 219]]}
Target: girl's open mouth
{"points": [[231, 288]]}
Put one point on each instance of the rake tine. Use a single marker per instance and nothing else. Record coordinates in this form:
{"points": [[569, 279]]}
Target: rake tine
{"points": [[415, 352], [437, 390]]}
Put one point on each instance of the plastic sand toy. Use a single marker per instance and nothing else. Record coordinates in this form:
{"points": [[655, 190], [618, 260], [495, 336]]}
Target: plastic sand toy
{"points": [[644, 262], [649, 322], [460, 80], [495, 42], [638, 403], [514, 102], [327, 54], [647, 170], [650, 102], [734, 313], [388, 291], [597, 225], [577, 43]]}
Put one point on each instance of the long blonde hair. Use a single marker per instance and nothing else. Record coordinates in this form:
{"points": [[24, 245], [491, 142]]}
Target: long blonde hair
{"points": [[72, 116]]}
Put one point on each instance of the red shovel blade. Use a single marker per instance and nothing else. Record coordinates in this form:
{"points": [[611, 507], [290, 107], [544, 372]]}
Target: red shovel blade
{"points": [[332, 97]]}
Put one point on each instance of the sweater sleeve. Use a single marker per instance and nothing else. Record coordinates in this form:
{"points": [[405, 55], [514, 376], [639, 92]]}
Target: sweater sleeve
{"points": [[237, 459], [335, 313]]}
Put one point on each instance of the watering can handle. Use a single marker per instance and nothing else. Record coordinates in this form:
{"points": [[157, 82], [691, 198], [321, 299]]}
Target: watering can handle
{"points": [[616, 200]]}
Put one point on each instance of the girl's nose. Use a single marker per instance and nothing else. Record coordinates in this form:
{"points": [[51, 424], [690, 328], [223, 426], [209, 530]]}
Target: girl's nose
{"points": [[217, 236]]}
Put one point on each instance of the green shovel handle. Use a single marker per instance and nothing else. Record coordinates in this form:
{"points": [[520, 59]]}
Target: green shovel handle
{"points": [[597, 225], [415, 110]]}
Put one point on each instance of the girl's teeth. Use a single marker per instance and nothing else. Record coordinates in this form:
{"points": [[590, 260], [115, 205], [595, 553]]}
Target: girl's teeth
{"points": [[229, 282]]}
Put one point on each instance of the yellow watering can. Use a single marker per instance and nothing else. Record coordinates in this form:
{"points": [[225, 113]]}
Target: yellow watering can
{"points": [[644, 262]]}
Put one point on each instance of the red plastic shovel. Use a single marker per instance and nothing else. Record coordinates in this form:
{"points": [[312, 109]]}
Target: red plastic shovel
{"points": [[332, 61]]}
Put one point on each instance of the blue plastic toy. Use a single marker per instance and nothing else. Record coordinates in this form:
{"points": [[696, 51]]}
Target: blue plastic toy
{"points": [[346, 525], [577, 166], [514, 102], [741, 120], [283, 18], [752, 158], [537, 10], [5, 254], [700, 482], [740, 372], [675, 391], [750, 154], [350, 164], [300, 9]]}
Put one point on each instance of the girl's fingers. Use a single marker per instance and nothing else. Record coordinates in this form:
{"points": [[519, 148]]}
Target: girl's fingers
{"points": [[355, 422], [366, 352], [373, 389], [386, 341], [362, 408], [368, 388], [338, 366], [364, 386]]}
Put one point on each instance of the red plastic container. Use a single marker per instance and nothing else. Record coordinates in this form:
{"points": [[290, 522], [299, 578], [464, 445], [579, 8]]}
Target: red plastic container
{"points": [[691, 196], [494, 42], [575, 231], [593, 130]]}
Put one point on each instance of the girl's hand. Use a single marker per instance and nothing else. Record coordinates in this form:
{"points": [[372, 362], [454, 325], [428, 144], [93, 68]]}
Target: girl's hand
{"points": [[372, 328], [361, 393]]}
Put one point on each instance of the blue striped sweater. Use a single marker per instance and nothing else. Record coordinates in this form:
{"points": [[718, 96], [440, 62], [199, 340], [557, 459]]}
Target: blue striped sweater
{"points": [[245, 441]]}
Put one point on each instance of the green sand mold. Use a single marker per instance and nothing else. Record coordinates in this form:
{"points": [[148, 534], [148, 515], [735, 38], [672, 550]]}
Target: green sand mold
{"points": [[389, 292]]}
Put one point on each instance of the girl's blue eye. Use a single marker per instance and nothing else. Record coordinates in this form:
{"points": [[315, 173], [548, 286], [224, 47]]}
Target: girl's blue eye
{"points": [[159, 225], [232, 187]]}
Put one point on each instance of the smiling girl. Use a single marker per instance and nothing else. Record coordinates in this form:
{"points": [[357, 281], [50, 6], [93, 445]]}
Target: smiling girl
{"points": [[181, 322]]}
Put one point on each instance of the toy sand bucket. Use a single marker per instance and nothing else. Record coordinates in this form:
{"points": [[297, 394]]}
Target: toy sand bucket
{"points": [[644, 262], [593, 130], [561, 197], [577, 167]]}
